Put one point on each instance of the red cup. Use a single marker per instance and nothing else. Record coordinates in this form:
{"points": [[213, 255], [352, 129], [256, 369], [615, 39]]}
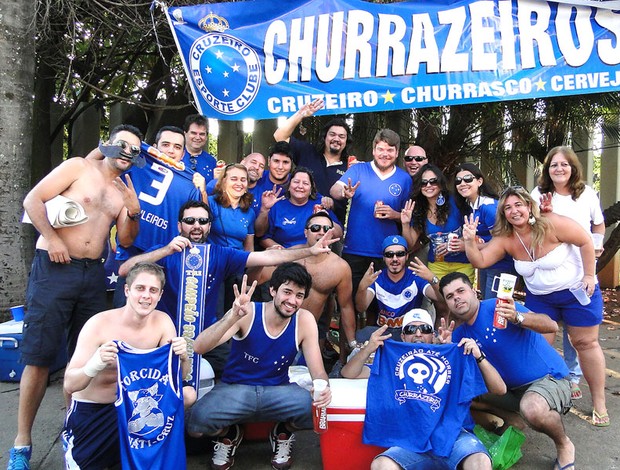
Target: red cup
{"points": [[319, 419], [499, 322]]}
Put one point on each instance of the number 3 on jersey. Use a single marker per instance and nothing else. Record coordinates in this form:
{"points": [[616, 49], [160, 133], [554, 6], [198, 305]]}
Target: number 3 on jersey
{"points": [[161, 186]]}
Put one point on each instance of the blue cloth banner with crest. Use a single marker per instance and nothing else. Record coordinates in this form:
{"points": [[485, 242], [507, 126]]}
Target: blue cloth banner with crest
{"points": [[263, 59]]}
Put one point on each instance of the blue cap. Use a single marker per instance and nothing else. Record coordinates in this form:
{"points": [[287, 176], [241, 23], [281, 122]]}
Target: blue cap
{"points": [[394, 240]]}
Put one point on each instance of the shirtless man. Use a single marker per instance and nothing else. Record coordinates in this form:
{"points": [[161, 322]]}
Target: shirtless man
{"points": [[91, 376], [330, 274], [67, 280]]}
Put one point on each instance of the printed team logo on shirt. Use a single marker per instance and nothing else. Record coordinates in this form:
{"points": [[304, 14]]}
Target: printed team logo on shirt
{"points": [[148, 425], [424, 374], [292, 221], [395, 189]]}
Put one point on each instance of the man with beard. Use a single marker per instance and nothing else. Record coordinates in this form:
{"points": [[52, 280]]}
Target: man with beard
{"points": [[466, 452], [67, 280], [197, 159], [534, 372], [328, 159], [396, 288], [266, 337], [378, 190]]}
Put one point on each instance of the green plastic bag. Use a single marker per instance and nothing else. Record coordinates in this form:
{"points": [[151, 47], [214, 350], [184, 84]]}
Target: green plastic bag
{"points": [[505, 450]]}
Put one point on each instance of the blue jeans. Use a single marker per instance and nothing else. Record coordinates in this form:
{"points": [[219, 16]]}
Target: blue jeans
{"points": [[570, 358], [466, 444], [229, 404]]}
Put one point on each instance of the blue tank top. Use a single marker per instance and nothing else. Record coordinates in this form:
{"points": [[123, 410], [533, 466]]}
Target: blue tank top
{"points": [[150, 408], [259, 358]]}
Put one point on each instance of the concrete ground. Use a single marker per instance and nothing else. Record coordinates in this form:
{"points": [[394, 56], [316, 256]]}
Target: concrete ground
{"points": [[597, 448]]}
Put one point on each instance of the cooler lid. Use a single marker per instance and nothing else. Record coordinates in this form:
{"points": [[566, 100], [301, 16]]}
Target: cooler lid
{"points": [[348, 393], [11, 327]]}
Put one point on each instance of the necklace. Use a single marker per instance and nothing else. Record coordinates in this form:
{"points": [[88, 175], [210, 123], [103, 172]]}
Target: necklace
{"points": [[530, 251]]}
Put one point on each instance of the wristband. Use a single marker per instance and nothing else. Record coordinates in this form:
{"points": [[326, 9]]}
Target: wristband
{"points": [[94, 365], [135, 217], [481, 358]]}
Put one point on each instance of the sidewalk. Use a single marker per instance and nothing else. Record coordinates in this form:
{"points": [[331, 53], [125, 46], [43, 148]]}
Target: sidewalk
{"points": [[597, 448]]}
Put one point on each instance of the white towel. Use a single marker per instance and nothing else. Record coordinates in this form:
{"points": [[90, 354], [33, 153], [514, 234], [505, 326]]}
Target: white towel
{"points": [[62, 212]]}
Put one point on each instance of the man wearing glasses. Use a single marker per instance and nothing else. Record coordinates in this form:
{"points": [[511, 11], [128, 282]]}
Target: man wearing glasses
{"points": [[451, 445], [396, 288], [197, 159], [67, 280], [414, 159]]}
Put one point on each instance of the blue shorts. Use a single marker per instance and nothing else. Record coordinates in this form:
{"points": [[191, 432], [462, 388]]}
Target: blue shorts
{"points": [[466, 444], [230, 404], [563, 306], [90, 436], [60, 298]]}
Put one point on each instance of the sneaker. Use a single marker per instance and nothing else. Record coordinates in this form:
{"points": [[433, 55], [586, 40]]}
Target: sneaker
{"points": [[225, 448], [19, 459], [282, 446]]}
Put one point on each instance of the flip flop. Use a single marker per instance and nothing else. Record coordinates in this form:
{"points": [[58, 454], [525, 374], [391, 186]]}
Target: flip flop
{"points": [[556, 465], [600, 420], [575, 391]]}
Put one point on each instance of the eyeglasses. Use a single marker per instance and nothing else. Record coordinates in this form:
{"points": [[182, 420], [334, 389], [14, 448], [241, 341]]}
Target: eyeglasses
{"points": [[466, 179], [411, 329], [431, 181], [128, 149], [417, 158], [391, 254], [192, 220], [194, 162], [315, 228]]}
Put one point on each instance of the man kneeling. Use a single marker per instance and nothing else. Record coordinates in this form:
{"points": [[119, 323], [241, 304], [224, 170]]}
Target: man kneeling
{"points": [[467, 451]]}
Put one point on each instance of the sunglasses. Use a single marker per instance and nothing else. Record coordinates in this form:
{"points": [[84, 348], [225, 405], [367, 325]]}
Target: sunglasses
{"points": [[192, 220], [417, 158], [128, 149], [467, 179], [315, 228], [411, 329], [431, 181], [391, 254]]}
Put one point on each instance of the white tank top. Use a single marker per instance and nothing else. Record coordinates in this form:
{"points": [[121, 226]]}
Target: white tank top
{"points": [[557, 270]]}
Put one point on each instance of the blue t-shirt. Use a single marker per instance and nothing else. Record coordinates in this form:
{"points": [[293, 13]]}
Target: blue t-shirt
{"points": [[453, 223], [205, 163], [287, 221], [221, 262], [419, 395], [230, 226], [161, 190], [265, 184], [273, 355], [397, 298], [365, 233], [521, 356], [305, 154], [255, 206]]}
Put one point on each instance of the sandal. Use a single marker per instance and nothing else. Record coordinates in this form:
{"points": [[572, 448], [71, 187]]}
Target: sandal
{"points": [[557, 466], [600, 420], [575, 391]]}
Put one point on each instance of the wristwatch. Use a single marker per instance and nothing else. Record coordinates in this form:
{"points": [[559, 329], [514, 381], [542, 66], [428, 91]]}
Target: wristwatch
{"points": [[434, 281], [519, 318]]}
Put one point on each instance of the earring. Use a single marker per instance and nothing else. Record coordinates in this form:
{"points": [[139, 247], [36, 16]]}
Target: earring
{"points": [[531, 219], [440, 200]]}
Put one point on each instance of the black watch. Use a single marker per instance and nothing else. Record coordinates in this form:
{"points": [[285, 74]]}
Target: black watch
{"points": [[481, 358]]}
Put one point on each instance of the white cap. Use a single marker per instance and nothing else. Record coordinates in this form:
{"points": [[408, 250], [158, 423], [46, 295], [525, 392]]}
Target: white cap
{"points": [[417, 314]]}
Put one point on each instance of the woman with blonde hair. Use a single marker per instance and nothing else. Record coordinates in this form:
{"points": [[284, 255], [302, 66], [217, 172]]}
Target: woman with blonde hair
{"points": [[553, 254], [562, 178]]}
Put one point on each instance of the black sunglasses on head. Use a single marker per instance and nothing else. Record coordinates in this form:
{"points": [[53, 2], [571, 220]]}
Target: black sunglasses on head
{"points": [[411, 329], [315, 228], [391, 254], [466, 179], [431, 181], [192, 220], [417, 158]]}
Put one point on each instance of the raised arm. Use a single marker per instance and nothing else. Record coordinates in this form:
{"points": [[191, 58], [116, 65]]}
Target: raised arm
{"points": [[285, 130], [485, 255], [178, 244], [275, 257], [344, 295], [363, 296], [128, 220], [494, 382], [354, 368]]}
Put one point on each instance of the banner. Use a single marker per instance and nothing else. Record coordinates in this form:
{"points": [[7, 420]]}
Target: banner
{"points": [[263, 59]]}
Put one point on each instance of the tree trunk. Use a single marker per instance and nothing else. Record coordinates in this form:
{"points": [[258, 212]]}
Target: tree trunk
{"points": [[16, 90]]}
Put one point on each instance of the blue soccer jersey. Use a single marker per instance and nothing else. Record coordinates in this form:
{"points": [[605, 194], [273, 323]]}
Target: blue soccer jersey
{"points": [[230, 226], [203, 163], [397, 298], [365, 233]]}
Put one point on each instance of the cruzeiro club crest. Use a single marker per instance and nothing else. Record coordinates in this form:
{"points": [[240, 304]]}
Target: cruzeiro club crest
{"points": [[424, 374], [225, 70], [147, 419]]}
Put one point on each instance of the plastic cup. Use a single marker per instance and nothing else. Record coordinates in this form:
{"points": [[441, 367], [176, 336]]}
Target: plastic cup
{"points": [[18, 312], [579, 291], [319, 415], [506, 285], [438, 240], [597, 238]]}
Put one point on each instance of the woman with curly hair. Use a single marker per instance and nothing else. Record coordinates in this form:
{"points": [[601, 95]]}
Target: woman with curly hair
{"points": [[432, 214], [474, 196], [553, 254], [562, 177]]}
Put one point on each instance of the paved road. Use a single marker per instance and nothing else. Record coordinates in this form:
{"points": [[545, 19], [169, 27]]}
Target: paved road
{"points": [[597, 448]]}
